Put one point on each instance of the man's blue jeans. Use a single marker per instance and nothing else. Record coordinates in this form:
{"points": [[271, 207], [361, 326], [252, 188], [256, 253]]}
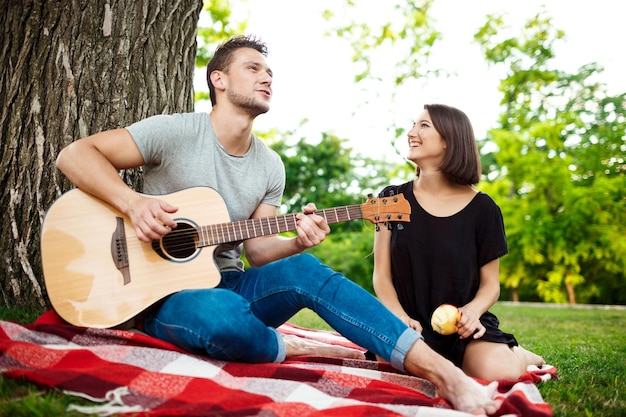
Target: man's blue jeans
{"points": [[237, 320]]}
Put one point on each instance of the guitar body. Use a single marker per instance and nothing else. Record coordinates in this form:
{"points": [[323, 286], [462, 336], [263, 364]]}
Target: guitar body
{"points": [[99, 274], [84, 238]]}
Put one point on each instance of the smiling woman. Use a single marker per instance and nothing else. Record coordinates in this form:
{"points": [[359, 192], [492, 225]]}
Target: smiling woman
{"points": [[449, 253]]}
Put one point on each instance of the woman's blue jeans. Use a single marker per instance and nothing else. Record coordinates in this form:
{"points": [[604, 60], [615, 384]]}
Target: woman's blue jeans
{"points": [[237, 320]]}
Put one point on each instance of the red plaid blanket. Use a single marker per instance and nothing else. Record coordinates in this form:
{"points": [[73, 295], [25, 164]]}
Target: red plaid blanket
{"points": [[130, 372]]}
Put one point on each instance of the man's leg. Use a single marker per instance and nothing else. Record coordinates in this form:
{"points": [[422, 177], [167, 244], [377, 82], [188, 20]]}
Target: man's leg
{"points": [[278, 290], [452, 383], [218, 322]]}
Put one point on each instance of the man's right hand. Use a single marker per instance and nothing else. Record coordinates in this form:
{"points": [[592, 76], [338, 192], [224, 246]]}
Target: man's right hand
{"points": [[150, 217]]}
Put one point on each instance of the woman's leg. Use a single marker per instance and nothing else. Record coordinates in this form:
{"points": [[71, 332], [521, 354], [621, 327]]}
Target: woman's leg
{"points": [[492, 361]]}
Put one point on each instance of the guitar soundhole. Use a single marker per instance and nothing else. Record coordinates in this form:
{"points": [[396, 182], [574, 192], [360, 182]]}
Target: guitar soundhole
{"points": [[180, 244]]}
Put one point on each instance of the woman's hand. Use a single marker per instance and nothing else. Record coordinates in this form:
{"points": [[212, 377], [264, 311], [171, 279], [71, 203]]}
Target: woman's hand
{"points": [[469, 324], [413, 324]]}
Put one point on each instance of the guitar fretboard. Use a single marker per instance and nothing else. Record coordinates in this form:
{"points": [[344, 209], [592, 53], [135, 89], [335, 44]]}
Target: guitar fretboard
{"points": [[216, 234]]}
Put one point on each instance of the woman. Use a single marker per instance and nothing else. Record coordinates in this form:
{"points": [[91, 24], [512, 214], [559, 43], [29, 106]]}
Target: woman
{"points": [[449, 252]]}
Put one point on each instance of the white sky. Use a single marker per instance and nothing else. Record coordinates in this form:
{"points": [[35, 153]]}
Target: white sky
{"points": [[313, 75]]}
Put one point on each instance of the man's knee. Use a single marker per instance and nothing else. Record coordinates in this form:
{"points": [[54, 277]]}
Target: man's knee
{"points": [[204, 304], [305, 261]]}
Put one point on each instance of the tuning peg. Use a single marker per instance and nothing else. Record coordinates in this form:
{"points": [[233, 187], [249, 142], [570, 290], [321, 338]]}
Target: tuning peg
{"points": [[370, 195], [377, 227], [400, 226], [389, 226]]}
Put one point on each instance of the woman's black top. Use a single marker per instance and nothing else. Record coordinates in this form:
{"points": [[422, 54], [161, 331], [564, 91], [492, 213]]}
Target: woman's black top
{"points": [[437, 260]]}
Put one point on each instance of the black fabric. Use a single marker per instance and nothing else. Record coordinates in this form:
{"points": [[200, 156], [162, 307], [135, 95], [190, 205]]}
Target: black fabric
{"points": [[437, 260]]}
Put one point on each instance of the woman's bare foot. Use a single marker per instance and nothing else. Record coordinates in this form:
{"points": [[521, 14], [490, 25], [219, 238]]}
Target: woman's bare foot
{"points": [[528, 357], [297, 346], [452, 384]]}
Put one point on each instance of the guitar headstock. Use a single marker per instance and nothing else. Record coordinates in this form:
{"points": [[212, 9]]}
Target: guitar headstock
{"points": [[394, 208]]}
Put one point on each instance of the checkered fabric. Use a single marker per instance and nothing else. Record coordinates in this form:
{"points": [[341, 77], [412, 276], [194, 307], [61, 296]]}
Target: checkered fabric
{"points": [[127, 372]]}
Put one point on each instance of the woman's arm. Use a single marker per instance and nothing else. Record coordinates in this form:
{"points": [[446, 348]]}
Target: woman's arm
{"points": [[382, 278], [486, 296]]}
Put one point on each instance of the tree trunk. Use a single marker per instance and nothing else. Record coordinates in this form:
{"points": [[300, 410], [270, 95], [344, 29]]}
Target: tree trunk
{"points": [[571, 293], [71, 69]]}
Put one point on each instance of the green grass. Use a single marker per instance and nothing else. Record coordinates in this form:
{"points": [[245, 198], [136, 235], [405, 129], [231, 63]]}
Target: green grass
{"points": [[586, 345], [23, 399], [588, 348]]}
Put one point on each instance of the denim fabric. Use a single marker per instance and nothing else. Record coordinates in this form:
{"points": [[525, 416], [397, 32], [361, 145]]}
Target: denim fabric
{"points": [[236, 321]]}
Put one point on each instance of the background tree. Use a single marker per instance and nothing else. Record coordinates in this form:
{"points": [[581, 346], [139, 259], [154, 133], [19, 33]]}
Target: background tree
{"points": [[328, 174], [558, 165], [557, 171], [71, 69], [390, 48]]}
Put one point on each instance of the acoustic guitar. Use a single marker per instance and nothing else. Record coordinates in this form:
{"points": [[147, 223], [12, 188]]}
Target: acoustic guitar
{"points": [[99, 274]]}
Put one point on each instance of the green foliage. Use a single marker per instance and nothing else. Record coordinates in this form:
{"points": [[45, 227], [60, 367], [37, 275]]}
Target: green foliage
{"points": [[215, 26], [390, 47], [19, 314], [319, 172], [409, 33], [351, 254], [557, 171], [554, 163], [327, 174]]}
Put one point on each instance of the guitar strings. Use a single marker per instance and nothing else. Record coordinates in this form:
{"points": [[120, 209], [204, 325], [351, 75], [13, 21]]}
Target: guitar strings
{"points": [[200, 236]]}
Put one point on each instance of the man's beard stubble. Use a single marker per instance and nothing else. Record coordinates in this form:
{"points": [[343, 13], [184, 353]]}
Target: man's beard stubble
{"points": [[249, 104]]}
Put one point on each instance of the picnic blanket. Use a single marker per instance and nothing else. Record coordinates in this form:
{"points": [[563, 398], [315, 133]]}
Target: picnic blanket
{"points": [[127, 372]]}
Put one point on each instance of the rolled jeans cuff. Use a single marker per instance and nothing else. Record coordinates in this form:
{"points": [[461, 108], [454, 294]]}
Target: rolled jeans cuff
{"points": [[406, 340], [282, 351]]}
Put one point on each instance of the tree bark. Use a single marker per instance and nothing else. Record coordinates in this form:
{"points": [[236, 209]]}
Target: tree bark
{"points": [[71, 69], [571, 293]]}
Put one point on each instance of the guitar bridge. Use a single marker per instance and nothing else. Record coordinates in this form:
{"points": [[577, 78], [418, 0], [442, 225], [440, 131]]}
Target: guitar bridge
{"points": [[119, 250]]}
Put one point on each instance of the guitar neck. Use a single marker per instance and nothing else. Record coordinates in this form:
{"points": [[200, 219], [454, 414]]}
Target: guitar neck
{"points": [[217, 234]]}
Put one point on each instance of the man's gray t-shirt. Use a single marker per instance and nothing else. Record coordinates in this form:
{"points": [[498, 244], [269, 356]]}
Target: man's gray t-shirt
{"points": [[181, 151]]}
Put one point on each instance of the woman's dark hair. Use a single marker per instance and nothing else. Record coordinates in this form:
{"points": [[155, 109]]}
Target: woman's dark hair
{"points": [[461, 161], [223, 56]]}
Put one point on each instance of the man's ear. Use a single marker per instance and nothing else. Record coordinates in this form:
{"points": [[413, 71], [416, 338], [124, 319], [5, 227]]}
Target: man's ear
{"points": [[217, 79]]}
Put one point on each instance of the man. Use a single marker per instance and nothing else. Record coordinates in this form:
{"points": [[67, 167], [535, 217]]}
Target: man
{"points": [[237, 320]]}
